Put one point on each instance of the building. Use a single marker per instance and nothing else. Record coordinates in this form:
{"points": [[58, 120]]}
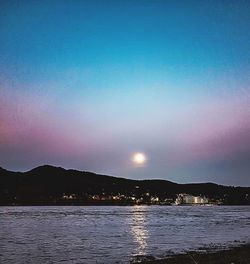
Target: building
{"points": [[186, 199]]}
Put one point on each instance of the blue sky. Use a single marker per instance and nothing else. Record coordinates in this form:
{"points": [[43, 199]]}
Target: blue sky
{"points": [[85, 84]]}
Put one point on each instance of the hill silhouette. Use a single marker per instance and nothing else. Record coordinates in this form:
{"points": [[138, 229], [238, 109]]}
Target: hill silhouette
{"points": [[49, 185]]}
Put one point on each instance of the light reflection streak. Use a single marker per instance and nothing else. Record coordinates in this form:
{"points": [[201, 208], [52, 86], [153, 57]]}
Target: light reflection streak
{"points": [[138, 229]]}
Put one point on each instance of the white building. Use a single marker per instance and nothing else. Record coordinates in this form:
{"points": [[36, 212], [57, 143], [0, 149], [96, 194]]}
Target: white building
{"points": [[184, 198]]}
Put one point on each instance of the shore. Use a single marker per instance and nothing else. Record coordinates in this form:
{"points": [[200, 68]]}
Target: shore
{"points": [[235, 255]]}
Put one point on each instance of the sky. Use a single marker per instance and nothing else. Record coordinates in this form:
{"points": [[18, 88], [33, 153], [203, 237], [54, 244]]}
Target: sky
{"points": [[86, 84]]}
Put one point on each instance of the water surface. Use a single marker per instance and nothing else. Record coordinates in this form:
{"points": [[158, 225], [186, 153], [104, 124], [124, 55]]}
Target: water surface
{"points": [[110, 234]]}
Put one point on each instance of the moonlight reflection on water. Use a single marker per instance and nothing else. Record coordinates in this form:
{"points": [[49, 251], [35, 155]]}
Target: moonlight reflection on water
{"points": [[138, 230], [115, 234]]}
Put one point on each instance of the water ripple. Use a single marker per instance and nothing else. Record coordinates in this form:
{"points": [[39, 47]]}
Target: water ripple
{"points": [[115, 234]]}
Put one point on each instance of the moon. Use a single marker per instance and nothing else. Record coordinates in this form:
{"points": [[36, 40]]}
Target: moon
{"points": [[139, 158]]}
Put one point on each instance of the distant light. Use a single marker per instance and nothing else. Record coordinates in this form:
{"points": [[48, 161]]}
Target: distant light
{"points": [[139, 158]]}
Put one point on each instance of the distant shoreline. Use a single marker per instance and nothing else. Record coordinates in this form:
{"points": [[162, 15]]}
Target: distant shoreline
{"points": [[234, 254], [48, 185], [120, 205]]}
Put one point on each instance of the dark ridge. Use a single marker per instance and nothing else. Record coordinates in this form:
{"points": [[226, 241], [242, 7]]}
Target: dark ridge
{"points": [[47, 185], [45, 168], [2, 169]]}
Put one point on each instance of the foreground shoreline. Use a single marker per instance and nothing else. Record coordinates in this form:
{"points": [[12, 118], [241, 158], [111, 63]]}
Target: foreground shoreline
{"points": [[239, 254]]}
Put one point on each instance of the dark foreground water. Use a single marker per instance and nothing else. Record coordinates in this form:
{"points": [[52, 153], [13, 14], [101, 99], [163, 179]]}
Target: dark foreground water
{"points": [[115, 234]]}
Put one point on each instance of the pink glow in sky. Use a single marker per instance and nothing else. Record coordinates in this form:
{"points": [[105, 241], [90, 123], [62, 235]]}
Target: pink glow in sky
{"points": [[85, 85]]}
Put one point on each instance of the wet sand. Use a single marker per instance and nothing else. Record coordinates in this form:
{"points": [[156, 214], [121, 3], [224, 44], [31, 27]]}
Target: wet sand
{"points": [[235, 255]]}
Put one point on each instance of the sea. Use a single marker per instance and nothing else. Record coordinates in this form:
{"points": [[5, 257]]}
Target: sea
{"points": [[116, 234]]}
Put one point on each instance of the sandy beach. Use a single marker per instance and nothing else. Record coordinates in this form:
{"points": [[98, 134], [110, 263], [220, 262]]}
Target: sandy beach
{"points": [[236, 255]]}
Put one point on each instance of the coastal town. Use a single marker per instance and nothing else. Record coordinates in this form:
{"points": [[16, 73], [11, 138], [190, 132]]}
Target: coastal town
{"points": [[48, 185], [147, 199]]}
